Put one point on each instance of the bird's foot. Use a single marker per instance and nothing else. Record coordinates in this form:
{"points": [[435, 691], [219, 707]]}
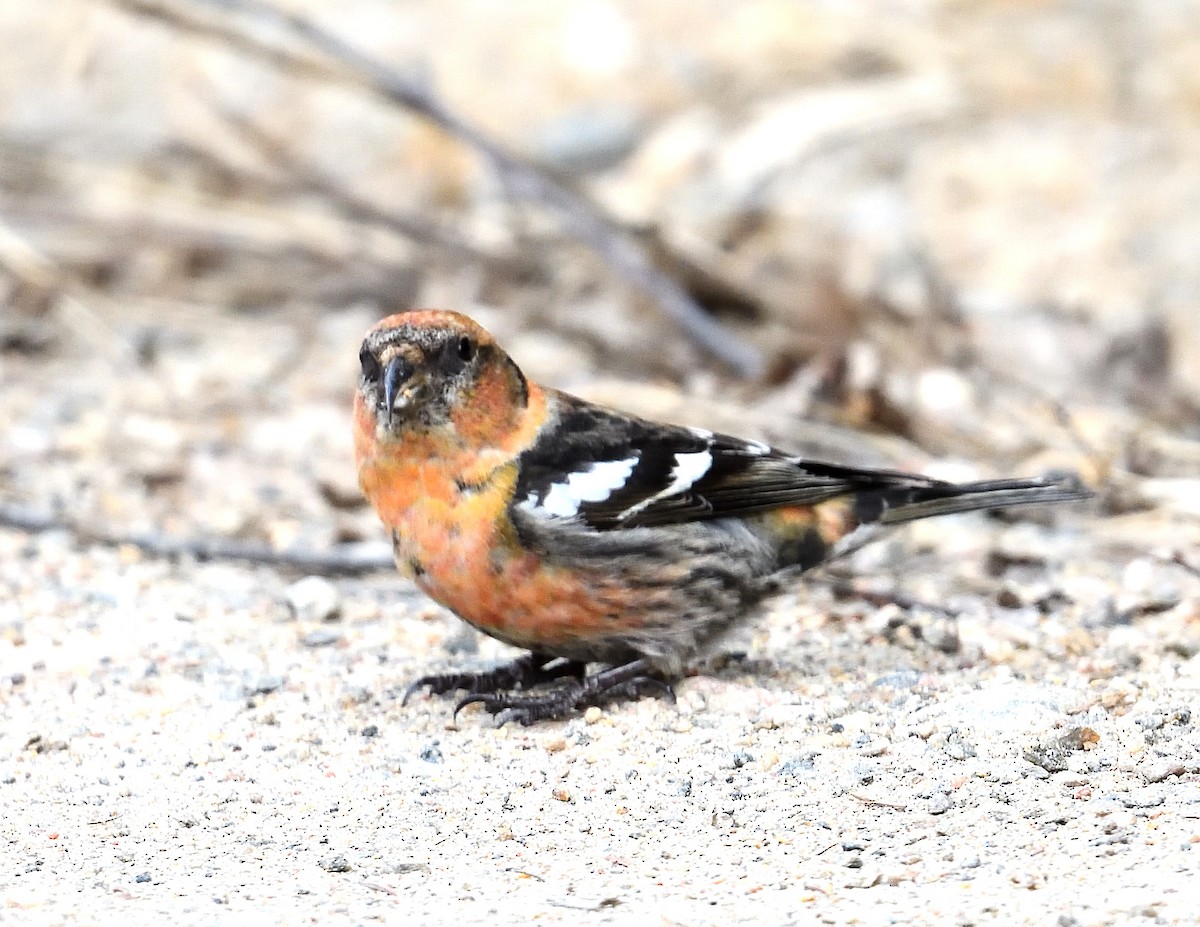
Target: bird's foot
{"points": [[568, 695], [523, 672]]}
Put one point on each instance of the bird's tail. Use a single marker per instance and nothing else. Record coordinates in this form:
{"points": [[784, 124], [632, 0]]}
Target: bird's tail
{"points": [[893, 505], [869, 501]]}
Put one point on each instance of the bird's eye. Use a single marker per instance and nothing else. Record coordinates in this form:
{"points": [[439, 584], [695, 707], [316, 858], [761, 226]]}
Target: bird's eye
{"points": [[466, 349], [371, 370]]}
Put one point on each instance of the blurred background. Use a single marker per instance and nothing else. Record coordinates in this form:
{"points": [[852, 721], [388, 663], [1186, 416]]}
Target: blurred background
{"points": [[958, 236], [954, 235]]}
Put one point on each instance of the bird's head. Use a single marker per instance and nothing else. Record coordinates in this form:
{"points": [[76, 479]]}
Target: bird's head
{"points": [[432, 371]]}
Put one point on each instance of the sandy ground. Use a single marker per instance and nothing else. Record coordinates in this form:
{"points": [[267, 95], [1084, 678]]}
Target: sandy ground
{"points": [[962, 237], [198, 740], [177, 744]]}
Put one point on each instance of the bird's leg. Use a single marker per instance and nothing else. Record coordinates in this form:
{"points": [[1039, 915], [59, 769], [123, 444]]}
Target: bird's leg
{"points": [[623, 681], [526, 670]]}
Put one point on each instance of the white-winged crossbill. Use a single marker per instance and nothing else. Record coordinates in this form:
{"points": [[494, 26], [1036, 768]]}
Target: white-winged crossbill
{"points": [[585, 535]]}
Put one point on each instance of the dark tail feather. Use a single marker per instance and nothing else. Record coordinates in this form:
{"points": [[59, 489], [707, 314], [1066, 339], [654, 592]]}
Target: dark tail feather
{"points": [[896, 505]]}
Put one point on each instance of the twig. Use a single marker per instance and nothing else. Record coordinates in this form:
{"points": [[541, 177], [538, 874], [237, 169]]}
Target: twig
{"points": [[344, 62], [525, 872], [67, 297], [310, 180], [868, 800], [342, 559], [600, 905], [845, 587], [1178, 559]]}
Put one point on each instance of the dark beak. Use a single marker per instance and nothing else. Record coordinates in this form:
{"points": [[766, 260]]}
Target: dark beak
{"points": [[397, 373]]}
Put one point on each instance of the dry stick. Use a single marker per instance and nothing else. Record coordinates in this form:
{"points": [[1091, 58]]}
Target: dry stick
{"points": [[67, 297], [868, 800], [310, 180], [343, 559], [578, 216], [843, 585], [1178, 559]]}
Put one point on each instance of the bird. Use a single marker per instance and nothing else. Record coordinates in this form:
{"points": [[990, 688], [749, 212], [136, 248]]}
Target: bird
{"points": [[583, 535]]}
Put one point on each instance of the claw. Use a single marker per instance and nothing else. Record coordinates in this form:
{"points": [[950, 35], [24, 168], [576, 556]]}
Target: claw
{"points": [[545, 687], [520, 715], [416, 686], [473, 699], [523, 672], [665, 689]]}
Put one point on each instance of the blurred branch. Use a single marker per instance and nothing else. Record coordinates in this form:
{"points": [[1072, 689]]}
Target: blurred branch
{"points": [[26, 263], [325, 56], [342, 559], [846, 585], [1178, 559], [309, 180], [57, 292]]}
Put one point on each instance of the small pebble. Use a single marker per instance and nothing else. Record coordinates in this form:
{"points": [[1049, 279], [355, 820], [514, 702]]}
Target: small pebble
{"points": [[313, 599], [875, 746], [1165, 769], [592, 715], [798, 765], [1143, 798], [901, 679], [322, 637], [265, 684], [336, 864], [741, 758], [939, 803]]}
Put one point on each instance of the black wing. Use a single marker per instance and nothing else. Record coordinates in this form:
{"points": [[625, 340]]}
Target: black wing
{"points": [[611, 470], [614, 471]]}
